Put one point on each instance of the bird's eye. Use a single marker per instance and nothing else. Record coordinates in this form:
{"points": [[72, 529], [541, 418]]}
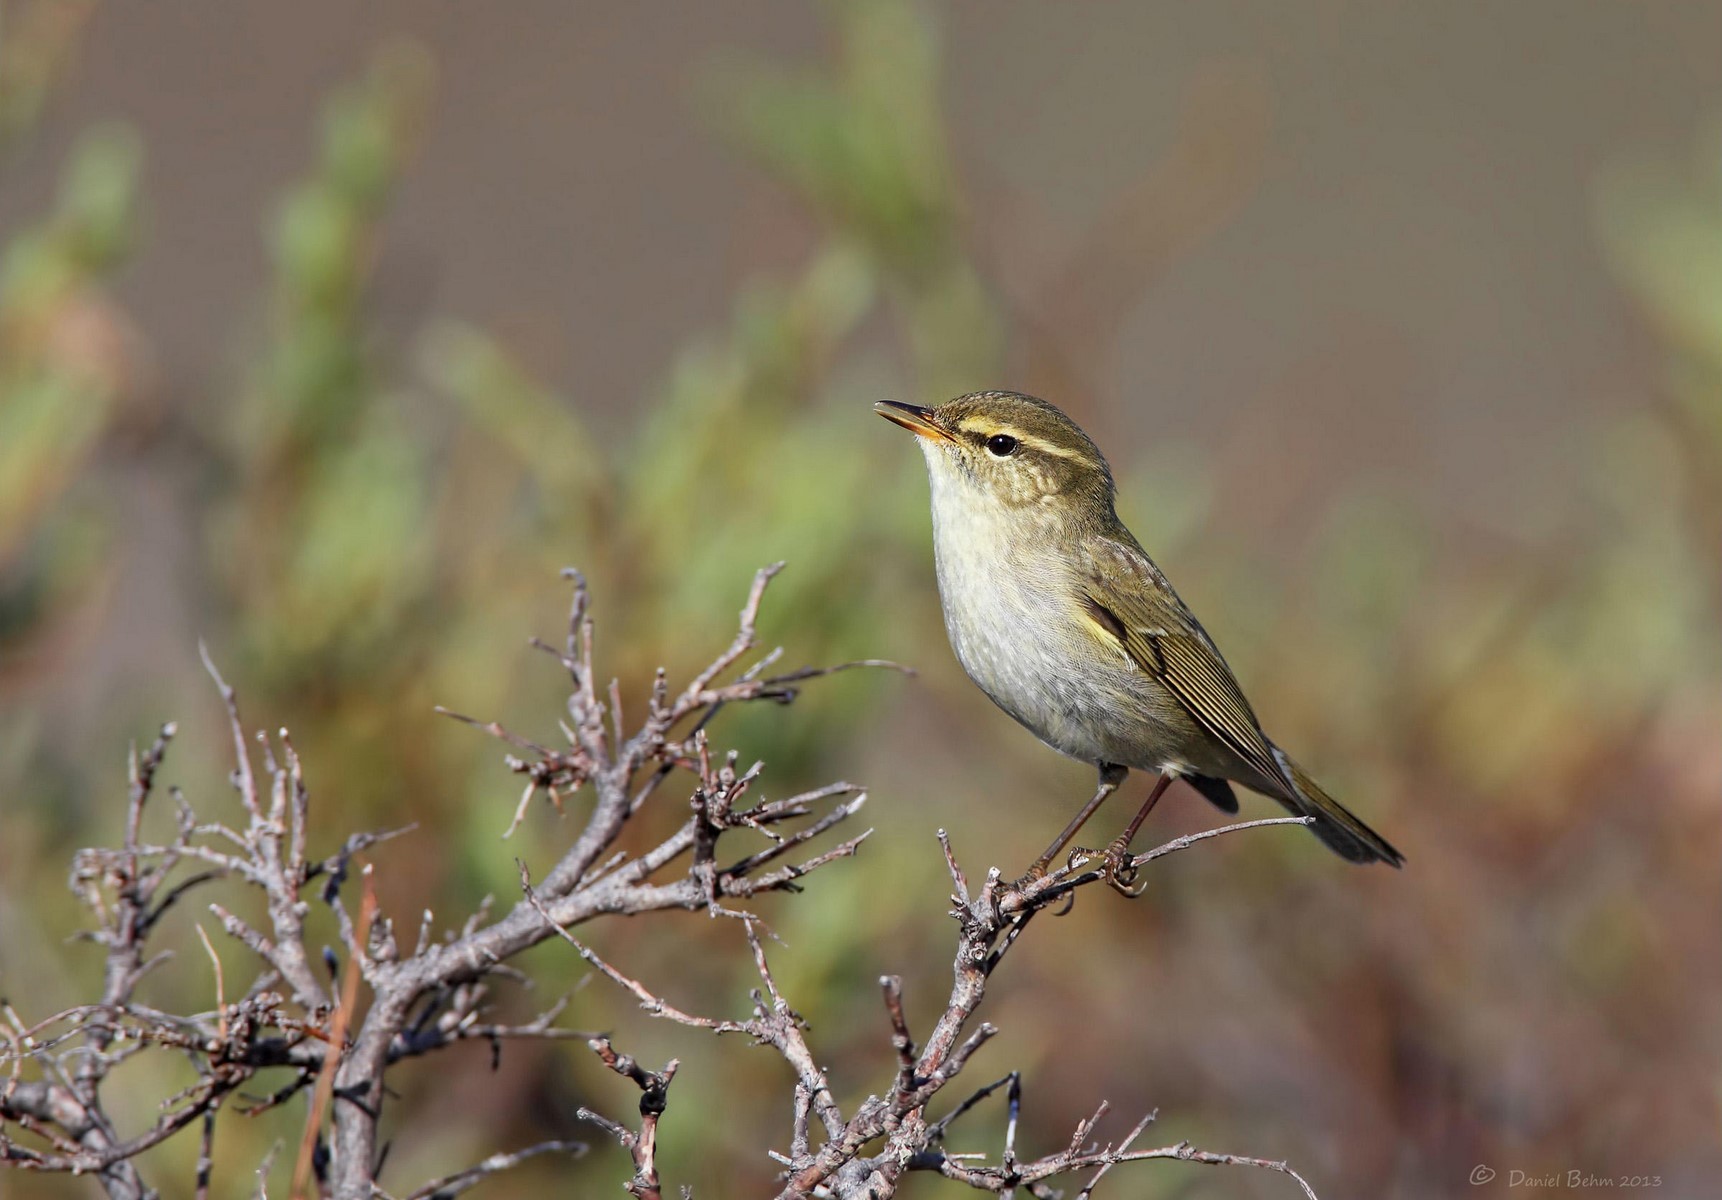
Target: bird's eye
{"points": [[1002, 445]]}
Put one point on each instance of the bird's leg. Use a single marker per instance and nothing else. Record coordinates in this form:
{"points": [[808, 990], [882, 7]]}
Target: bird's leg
{"points": [[1110, 777], [1120, 873]]}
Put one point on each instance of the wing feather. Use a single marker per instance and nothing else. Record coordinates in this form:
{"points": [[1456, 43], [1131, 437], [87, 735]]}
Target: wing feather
{"points": [[1164, 639]]}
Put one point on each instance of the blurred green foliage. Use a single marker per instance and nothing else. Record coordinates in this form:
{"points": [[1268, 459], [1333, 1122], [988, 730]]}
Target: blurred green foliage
{"points": [[61, 374], [377, 530], [326, 546], [866, 146]]}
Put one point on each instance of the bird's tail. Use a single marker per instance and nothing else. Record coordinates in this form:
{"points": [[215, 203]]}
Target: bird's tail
{"points": [[1335, 824]]}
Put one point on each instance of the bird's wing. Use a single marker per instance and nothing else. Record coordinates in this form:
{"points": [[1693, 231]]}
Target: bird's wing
{"points": [[1161, 637]]}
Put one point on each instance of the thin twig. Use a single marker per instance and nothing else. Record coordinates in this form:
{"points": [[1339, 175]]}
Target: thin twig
{"points": [[343, 1019], [453, 1185]]}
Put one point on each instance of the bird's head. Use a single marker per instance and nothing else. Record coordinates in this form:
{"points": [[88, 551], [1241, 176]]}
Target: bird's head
{"points": [[1013, 449]]}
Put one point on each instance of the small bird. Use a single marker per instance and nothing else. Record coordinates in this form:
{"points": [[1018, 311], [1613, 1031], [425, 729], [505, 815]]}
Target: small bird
{"points": [[1060, 617]]}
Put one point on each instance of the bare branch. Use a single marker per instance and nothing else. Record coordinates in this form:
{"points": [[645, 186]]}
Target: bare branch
{"points": [[989, 922], [343, 1019], [453, 1185], [727, 845], [654, 1097]]}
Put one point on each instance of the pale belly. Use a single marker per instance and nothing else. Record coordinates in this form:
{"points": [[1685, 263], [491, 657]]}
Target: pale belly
{"points": [[1020, 638]]}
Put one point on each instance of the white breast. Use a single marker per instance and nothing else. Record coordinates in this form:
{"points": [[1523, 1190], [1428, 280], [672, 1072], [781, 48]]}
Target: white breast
{"points": [[1009, 619]]}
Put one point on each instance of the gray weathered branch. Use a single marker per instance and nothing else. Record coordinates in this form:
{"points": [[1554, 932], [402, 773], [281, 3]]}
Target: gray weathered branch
{"points": [[290, 1023], [332, 1024]]}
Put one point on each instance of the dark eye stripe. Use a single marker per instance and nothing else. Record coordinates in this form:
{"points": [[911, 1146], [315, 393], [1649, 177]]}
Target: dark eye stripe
{"points": [[1002, 445]]}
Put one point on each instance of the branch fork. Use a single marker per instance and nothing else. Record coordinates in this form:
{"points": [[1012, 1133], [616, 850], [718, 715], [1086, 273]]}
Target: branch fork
{"points": [[302, 1023]]}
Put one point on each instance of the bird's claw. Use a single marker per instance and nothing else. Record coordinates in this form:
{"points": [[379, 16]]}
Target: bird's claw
{"points": [[1032, 876], [1035, 874], [1117, 868]]}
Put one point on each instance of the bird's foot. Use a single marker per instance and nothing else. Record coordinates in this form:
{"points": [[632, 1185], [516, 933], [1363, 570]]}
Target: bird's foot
{"points": [[1033, 876], [1117, 867]]}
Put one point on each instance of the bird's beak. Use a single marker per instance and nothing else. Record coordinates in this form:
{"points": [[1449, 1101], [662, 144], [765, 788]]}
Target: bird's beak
{"points": [[918, 421]]}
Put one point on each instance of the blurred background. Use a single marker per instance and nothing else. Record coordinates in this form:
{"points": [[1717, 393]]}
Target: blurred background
{"points": [[328, 333]]}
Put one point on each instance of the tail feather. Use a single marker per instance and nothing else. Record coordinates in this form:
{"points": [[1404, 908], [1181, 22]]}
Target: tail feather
{"points": [[1218, 791], [1335, 824]]}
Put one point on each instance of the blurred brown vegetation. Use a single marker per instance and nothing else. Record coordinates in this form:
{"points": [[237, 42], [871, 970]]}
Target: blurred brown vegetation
{"points": [[366, 516]]}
